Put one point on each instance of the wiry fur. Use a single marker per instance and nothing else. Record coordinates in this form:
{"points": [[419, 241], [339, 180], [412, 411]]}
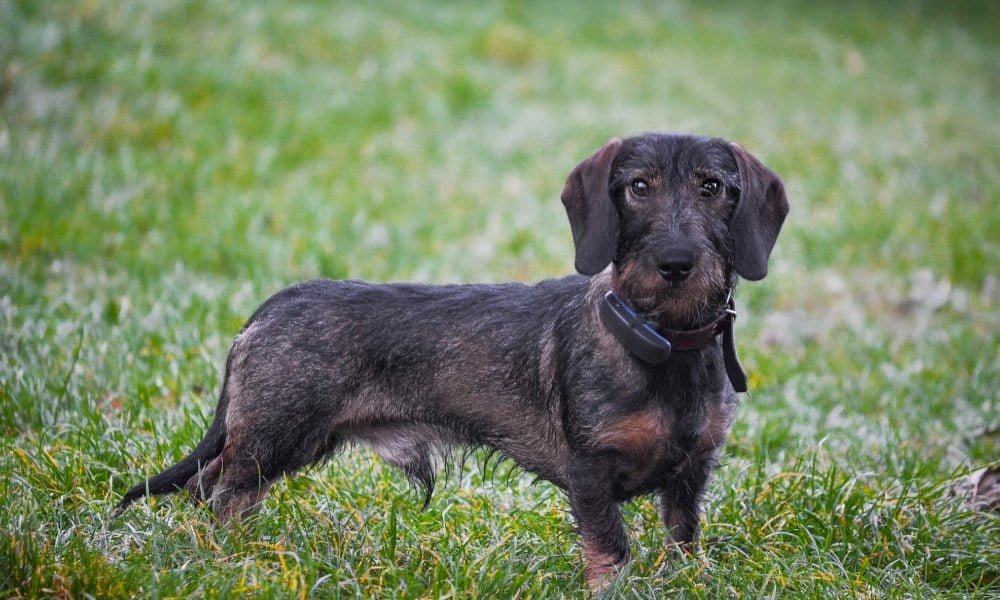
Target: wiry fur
{"points": [[526, 371]]}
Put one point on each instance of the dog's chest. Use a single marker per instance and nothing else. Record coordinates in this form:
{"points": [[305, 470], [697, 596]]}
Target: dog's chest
{"points": [[655, 446]]}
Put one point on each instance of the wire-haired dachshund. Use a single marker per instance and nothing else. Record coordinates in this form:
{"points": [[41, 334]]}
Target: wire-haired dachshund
{"points": [[612, 383]]}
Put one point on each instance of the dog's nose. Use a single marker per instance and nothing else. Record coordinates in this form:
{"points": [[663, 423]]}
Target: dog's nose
{"points": [[676, 264]]}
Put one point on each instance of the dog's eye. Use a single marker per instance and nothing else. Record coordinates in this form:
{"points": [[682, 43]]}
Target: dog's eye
{"points": [[639, 187], [710, 187]]}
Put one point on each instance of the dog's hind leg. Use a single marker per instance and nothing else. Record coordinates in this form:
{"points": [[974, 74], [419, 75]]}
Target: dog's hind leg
{"points": [[253, 458], [201, 484], [235, 483], [239, 491]]}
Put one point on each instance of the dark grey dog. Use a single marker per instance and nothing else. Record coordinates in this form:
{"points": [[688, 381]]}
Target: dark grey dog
{"points": [[573, 378]]}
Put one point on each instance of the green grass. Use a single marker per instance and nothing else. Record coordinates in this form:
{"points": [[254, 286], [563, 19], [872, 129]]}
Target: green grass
{"points": [[165, 166]]}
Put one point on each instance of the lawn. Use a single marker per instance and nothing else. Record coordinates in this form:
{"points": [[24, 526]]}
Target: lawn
{"points": [[166, 165]]}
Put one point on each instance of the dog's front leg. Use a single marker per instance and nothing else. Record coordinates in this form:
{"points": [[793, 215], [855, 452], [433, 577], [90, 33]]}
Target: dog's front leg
{"points": [[605, 545], [680, 503]]}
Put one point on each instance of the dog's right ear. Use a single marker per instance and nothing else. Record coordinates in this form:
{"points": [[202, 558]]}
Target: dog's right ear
{"points": [[592, 216]]}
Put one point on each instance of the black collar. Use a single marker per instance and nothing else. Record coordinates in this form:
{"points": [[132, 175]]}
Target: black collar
{"points": [[654, 346]]}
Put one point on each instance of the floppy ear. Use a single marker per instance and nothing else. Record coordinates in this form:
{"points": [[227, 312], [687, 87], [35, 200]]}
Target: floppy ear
{"points": [[761, 210], [592, 216]]}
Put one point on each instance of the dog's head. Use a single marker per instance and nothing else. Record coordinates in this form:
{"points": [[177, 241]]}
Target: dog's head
{"points": [[679, 216]]}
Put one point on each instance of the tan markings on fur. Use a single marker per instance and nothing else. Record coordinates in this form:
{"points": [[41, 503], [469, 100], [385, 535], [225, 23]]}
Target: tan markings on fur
{"points": [[635, 433], [600, 568]]}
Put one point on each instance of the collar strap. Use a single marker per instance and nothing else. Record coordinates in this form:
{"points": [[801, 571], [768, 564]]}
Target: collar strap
{"points": [[654, 346], [695, 339]]}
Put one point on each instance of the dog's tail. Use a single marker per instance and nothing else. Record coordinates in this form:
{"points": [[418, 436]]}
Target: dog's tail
{"points": [[173, 479]]}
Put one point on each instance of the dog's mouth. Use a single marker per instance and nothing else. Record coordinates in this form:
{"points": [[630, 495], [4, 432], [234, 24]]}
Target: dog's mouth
{"points": [[675, 287], [680, 303]]}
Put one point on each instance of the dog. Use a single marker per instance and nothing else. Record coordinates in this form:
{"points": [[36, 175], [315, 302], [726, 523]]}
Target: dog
{"points": [[616, 382]]}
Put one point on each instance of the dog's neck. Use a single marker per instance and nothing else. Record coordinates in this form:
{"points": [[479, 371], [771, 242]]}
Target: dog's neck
{"points": [[653, 344]]}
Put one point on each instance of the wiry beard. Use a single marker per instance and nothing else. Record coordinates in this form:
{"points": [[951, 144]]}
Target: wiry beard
{"points": [[682, 305]]}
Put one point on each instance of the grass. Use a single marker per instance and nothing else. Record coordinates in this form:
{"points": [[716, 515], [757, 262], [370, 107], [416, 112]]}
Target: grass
{"points": [[164, 166]]}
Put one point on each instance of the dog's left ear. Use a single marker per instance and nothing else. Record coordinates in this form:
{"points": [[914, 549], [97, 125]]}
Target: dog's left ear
{"points": [[592, 216], [761, 210]]}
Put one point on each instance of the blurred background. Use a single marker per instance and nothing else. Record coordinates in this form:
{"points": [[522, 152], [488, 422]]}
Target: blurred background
{"points": [[166, 165]]}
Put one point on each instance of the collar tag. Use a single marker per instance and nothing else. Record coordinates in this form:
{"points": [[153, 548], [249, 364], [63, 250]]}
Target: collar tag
{"points": [[636, 335]]}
